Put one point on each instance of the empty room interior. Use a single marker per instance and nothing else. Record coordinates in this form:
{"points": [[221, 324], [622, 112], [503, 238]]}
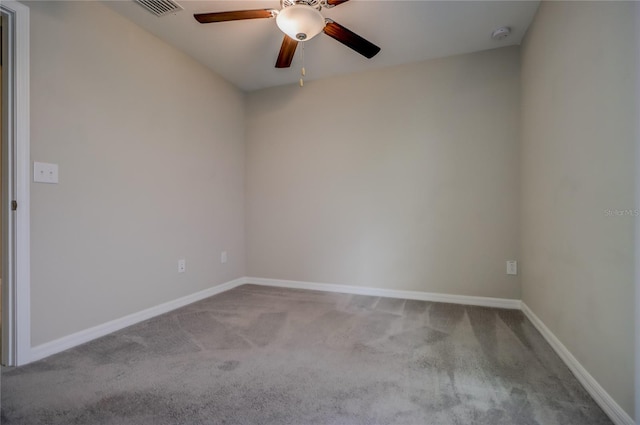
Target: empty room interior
{"points": [[425, 213]]}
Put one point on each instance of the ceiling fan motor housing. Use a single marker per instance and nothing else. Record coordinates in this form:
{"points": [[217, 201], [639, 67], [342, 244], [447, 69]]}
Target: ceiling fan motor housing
{"points": [[316, 4]]}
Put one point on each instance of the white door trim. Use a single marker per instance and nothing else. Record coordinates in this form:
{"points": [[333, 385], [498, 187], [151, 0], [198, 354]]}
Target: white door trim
{"points": [[637, 236], [16, 311]]}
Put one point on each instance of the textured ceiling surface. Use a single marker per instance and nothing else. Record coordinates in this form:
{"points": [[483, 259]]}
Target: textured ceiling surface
{"points": [[244, 52]]}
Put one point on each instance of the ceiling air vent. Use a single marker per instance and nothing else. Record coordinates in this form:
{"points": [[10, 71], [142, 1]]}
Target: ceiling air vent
{"points": [[160, 7]]}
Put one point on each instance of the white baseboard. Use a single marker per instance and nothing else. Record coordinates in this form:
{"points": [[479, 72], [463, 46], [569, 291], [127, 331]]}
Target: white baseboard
{"points": [[602, 397], [390, 293], [75, 339]]}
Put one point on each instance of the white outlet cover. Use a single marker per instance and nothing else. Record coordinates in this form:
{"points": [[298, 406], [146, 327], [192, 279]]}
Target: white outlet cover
{"points": [[512, 267], [44, 172], [223, 257], [182, 266]]}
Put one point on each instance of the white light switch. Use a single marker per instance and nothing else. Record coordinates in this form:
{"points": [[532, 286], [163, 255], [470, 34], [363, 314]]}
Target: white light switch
{"points": [[512, 267], [45, 173]]}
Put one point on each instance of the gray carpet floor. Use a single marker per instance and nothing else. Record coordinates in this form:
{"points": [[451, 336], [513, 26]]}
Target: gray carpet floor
{"points": [[261, 355]]}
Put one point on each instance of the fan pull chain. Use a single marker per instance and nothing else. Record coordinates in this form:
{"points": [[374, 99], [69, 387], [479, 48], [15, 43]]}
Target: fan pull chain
{"points": [[302, 71]]}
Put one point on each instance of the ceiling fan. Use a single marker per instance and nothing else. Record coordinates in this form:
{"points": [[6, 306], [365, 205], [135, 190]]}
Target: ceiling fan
{"points": [[300, 20]]}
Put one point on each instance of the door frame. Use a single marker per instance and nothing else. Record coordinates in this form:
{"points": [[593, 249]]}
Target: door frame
{"points": [[16, 280]]}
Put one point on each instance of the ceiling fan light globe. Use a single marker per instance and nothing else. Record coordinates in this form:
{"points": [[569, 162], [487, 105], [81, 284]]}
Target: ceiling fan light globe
{"points": [[300, 22]]}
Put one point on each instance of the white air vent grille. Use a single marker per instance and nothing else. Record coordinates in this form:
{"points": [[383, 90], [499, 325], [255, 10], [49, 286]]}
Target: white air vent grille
{"points": [[160, 7]]}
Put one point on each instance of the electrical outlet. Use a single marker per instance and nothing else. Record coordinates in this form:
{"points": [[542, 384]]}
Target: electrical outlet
{"points": [[223, 257], [512, 267], [182, 265]]}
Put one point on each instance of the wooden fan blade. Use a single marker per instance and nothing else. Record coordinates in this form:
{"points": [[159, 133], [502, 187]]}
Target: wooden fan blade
{"points": [[237, 15], [287, 50], [351, 39], [336, 2]]}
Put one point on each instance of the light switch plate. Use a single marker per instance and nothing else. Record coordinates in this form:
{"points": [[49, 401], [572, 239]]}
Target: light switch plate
{"points": [[512, 267], [45, 173]]}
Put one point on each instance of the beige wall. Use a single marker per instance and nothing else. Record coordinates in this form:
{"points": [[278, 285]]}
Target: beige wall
{"points": [[404, 178], [151, 155], [578, 161]]}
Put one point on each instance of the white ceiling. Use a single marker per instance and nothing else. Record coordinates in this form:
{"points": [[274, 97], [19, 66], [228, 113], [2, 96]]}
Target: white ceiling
{"points": [[244, 52]]}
